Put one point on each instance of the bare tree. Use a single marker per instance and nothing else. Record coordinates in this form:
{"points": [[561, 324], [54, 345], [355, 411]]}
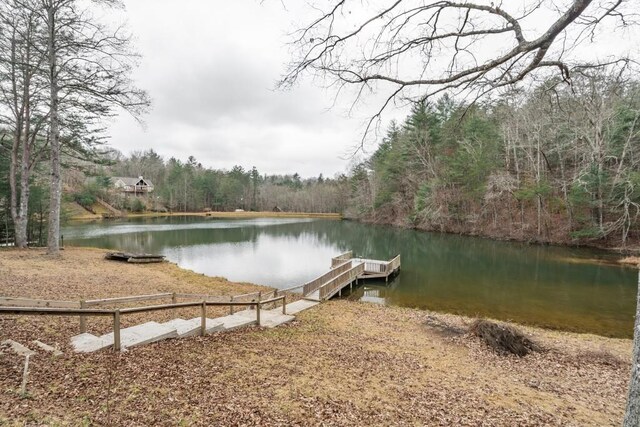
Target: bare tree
{"points": [[411, 50], [21, 106], [88, 73]]}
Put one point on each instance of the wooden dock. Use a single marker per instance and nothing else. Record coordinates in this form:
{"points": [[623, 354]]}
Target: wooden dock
{"points": [[373, 268], [345, 271], [134, 258], [258, 308]]}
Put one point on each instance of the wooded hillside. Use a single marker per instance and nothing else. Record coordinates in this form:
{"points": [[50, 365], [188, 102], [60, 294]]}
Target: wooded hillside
{"points": [[558, 163]]}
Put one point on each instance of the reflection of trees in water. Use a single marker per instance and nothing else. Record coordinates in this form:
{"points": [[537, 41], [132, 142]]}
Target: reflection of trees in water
{"points": [[452, 273]]}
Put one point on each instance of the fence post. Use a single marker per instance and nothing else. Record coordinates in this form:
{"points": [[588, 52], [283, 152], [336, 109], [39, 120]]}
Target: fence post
{"points": [[258, 311], [83, 319], [203, 319], [284, 304], [231, 308], [116, 330], [174, 299]]}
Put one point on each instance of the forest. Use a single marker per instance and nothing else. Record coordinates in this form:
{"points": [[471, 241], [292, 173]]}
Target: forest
{"points": [[554, 164], [557, 163], [188, 186]]}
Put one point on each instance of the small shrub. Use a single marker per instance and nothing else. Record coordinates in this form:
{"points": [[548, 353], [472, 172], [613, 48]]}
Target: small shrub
{"points": [[136, 206], [503, 339], [84, 199]]}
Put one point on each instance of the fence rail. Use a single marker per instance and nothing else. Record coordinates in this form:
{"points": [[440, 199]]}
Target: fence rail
{"points": [[28, 302], [115, 314], [119, 300]]}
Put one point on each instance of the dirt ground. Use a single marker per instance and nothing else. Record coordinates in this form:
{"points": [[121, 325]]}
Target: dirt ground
{"points": [[340, 363]]}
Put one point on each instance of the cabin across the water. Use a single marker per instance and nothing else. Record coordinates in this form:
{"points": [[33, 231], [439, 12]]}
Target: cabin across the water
{"points": [[137, 185]]}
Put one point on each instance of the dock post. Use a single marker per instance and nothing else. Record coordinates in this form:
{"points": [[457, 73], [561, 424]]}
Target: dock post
{"points": [[284, 304], [203, 318], [231, 308], [83, 319], [116, 330], [258, 312]]}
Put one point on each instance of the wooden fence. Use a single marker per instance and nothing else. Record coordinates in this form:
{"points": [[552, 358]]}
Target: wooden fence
{"points": [[250, 299], [117, 313]]}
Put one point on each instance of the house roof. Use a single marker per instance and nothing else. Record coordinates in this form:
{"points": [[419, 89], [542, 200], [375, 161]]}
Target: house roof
{"points": [[130, 180]]}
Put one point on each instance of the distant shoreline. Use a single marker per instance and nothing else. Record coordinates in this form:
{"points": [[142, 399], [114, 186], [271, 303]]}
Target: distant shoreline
{"points": [[235, 215]]}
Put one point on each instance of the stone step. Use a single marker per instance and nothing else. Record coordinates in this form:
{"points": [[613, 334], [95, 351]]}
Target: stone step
{"points": [[212, 325], [144, 333], [238, 320], [273, 318], [268, 318], [298, 306], [184, 328], [87, 343]]}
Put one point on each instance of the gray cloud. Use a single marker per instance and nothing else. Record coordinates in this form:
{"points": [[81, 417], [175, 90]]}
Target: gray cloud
{"points": [[211, 69]]}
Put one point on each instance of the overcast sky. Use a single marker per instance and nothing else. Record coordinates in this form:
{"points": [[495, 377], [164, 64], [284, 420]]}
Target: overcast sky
{"points": [[211, 67]]}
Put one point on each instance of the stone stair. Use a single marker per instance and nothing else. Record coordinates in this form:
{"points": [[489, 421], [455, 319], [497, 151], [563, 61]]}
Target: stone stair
{"points": [[301, 305], [149, 332]]}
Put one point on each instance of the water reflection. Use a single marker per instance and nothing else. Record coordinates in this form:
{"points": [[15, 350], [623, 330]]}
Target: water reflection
{"points": [[550, 286]]}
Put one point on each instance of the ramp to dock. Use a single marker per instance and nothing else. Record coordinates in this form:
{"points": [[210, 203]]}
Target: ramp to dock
{"points": [[346, 270]]}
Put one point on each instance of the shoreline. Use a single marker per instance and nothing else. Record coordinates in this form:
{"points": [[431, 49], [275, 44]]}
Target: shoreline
{"points": [[630, 256], [342, 362], [629, 253], [231, 215]]}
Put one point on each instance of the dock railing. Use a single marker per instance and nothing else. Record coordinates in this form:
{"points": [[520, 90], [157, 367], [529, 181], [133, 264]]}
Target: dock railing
{"points": [[335, 285], [315, 284], [341, 259], [117, 313], [394, 264]]}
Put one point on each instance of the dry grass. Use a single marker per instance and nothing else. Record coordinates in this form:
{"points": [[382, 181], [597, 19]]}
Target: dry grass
{"points": [[341, 363]]}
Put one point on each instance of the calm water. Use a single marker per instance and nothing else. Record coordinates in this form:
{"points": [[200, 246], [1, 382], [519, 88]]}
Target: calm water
{"points": [[548, 286]]}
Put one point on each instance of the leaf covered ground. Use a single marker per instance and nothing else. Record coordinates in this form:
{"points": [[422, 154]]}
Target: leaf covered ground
{"points": [[340, 363]]}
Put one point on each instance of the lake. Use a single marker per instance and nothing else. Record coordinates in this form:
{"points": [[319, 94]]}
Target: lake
{"points": [[574, 289]]}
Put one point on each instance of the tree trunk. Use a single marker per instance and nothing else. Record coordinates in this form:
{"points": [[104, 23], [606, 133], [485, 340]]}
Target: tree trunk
{"points": [[54, 141], [13, 185], [15, 147], [632, 414], [22, 219]]}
